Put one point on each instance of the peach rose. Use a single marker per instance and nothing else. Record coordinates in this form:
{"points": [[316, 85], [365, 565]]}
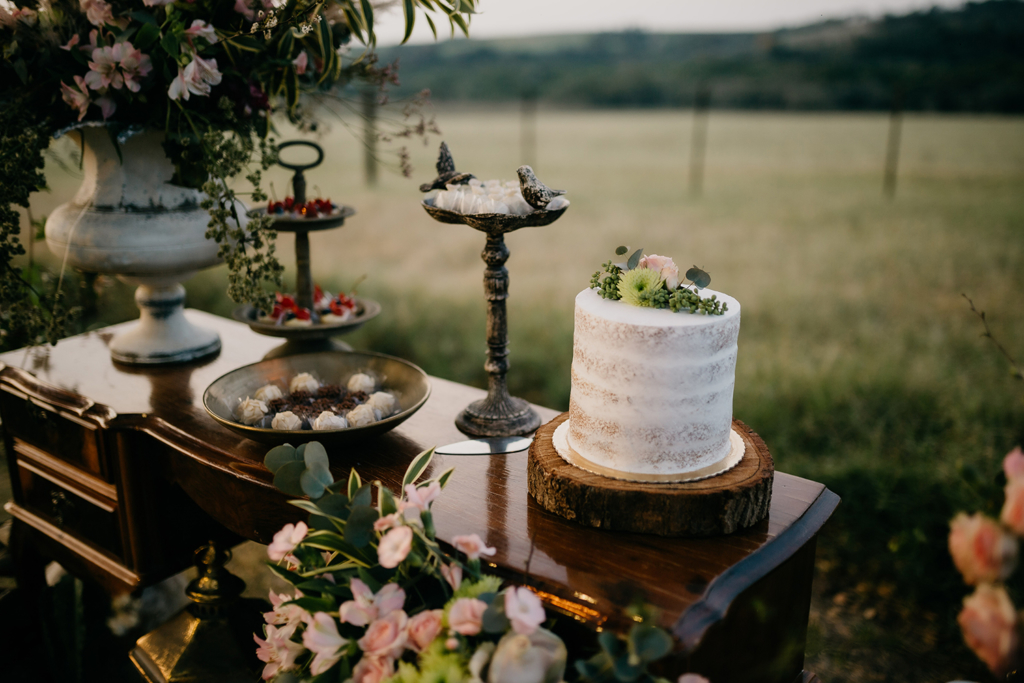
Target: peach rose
{"points": [[386, 637], [665, 266], [1013, 509], [989, 625], [466, 616], [473, 546], [981, 550], [373, 670], [394, 547], [424, 628], [1013, 463]]}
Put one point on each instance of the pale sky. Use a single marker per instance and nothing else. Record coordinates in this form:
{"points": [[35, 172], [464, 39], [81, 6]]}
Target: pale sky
{"points": [[503, 18]]}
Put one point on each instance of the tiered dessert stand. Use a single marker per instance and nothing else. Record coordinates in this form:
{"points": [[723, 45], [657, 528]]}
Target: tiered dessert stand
{"points": [[319, 335]]}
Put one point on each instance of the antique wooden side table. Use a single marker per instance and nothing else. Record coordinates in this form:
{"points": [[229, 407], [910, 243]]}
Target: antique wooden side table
{"points": [[119, 474]]}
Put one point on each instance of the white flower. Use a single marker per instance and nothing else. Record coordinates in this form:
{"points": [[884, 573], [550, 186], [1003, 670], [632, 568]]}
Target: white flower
{"points": [[200, 29], [382, 401], [251, 411], [328, 420], [282, 614], [524, 609], [394, 547], [304, 382], [360, 416], [97, 12], [360, 382], [286, 421], [285, 540], [195, 79], [537, 658], [322, 638], [268, 392], [473, 546]]}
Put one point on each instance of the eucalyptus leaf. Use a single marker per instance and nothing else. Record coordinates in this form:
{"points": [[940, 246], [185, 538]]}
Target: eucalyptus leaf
{"points": [[634, 260], [279, 456], [301, 451], [619, 251], [626, 672], [316, 455], [363, 496], [494, 619], [387, 502], [334, 505], [359, 528], [649, 643], [287, 478], [698, 277], [314, 481]]}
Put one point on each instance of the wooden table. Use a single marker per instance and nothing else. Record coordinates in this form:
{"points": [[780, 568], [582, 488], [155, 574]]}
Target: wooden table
{"points": [[119, 473]]}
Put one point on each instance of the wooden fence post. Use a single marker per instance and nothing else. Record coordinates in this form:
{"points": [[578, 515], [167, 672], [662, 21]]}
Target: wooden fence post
{"points": [[698, 138], [892, 152]]}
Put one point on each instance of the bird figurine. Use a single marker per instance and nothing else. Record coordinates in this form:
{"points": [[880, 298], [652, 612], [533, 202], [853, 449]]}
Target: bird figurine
{"points": [[446, 173], [536, 193]]}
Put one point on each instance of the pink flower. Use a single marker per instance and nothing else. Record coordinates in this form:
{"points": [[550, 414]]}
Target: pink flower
{"points": [[285, 540], [321, 637], [373, 670], [107, 106], [466, 616], [194, 79], [386, 637], [388, 599], [1013, 463], [424, 628], [386, 522], [394, 547], [97, 12], [278, 650], [366, 607], [289, 615], [78, 98], [981, 550], [75, 39], [103, 68], [200, 29], [242, 7], [1013, 509], [692, 678], [524, 610], [421, 498], [989, 625], [452, 573], [665, 266], [134, 65], [473, 546], [300, 63]]}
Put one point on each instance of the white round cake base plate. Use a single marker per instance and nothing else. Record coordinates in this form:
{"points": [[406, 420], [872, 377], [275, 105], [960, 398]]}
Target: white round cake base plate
{"points": [[560, 439]]}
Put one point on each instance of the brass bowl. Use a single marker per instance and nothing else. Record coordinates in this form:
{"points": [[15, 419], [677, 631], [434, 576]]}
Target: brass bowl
{"points": [[406, 382]]}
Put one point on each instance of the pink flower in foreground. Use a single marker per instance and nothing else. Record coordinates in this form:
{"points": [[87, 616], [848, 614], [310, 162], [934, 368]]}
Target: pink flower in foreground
{"points": [[421, 498], [77, 97], [107, 106], [200, 29], [386, 637], [134, 65], [665, 266], [386, 522], [692, 678], [394, 547], [322, 638], [301, 62], [288, 615], [285, 540], [524, 610], [278, 650], [981, 550], [989, 625], [365, 606], [452, 573], [194, 79], [388, 599], [1013, 463], [103, 71], [373, 670], [97, 12], [466, 616], [242, 7], [1013, 509], [473, 546], [424, 628], [75, 39]]}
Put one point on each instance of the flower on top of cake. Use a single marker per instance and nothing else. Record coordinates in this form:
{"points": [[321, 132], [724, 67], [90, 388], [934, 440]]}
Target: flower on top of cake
{"points": [[653, 281]]}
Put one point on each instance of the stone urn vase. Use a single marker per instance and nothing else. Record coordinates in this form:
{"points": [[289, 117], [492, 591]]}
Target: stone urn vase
{"points": [[129, 220]]}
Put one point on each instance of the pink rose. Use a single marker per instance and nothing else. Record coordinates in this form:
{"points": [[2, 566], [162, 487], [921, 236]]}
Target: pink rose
{"points": [[1013, 509], [665, 266], [386, 637], [394, 547], [692, 678], [989, 625], [466, 616], [524, 610], [424, 628], [981, 550], [278, 650], [452, 573], [1013, 463], [285, 540], [322, 639], [373, 670], [473, 546]]}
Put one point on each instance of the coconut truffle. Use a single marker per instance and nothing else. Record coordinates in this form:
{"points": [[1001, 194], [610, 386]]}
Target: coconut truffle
{"points": [[304, 382], [382, 402], [360, 382], [360, 416], [328, 420], [287, 421], [268, 393], [251, 411]]}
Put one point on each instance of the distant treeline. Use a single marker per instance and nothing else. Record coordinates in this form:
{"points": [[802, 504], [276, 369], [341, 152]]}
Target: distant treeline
{"points": [[967, 59]]}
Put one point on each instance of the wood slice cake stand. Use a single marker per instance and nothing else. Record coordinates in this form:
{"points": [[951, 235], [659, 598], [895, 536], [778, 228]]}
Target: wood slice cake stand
{"points": [[731, 501]]}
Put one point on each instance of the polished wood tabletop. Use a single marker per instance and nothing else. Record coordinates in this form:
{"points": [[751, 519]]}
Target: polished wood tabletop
{"points": [[585, 572]]}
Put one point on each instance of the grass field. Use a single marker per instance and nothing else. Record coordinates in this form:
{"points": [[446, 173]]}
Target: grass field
{"points": [[859, 360]]}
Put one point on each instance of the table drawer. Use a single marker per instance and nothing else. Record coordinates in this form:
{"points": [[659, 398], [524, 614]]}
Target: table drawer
{"points": [[82, 514], [62, 435]]}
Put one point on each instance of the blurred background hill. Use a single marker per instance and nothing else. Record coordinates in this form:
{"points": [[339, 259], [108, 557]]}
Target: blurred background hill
{"points": [[968, 59]]}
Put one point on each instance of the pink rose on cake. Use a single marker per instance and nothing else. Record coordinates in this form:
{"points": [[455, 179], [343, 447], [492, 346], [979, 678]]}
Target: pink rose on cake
{"points": [[666, 268]]}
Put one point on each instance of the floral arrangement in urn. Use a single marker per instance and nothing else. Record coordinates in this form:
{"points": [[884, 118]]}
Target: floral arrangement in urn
{"points": [[653, 281], [208, 74], [376, 596]]}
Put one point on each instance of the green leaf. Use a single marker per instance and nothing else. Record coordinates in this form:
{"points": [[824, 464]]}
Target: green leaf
{"points": [[287, 478], [170, 45], [619, 251], [291, 577], [648, 642], [494, 619], [430, 23], [301, 451], [314, 481], [387, 502], [21, 70], [359, 528], [286, 44], [368, 17], [314, 604], [324, 586], [147, 36], [458, 20], [634, 260], [354, 23], [445, 476], [370, 580], [626, 672], [278, 456], [409, 9], [146, 18], [416, 467], [698, 277], [334, 505], [354, 483], [363, 496], [315, 455]]}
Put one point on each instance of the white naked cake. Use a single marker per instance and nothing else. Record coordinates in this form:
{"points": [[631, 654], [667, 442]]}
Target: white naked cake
{"points": [[652, 388]]}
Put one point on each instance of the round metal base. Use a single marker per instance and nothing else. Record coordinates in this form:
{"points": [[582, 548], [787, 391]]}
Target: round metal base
{"points": [[511, 417], [163, 334]]}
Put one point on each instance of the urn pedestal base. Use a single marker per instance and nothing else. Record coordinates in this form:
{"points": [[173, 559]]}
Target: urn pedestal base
{"points": [[163, 333]]}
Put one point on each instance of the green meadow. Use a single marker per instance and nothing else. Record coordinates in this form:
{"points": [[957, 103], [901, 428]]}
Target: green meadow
{"points": [[860, 362]]}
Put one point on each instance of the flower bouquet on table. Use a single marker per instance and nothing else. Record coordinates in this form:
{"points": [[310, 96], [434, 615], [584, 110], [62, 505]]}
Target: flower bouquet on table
{"points": [[376, 596]]}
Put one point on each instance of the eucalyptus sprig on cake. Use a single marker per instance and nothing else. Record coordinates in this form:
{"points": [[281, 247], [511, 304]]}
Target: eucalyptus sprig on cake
{"points": [[653, 281]]}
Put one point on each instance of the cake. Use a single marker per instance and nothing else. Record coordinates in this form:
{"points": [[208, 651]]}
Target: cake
{"points": [[652, 388]]}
